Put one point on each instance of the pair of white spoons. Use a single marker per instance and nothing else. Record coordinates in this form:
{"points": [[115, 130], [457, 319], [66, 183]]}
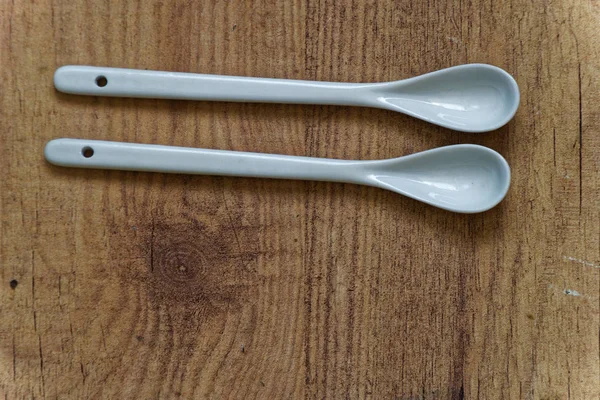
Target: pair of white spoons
{"points": [[460, 178]]}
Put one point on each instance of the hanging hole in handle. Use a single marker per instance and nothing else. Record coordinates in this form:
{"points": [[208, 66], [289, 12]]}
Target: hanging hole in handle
{"points": [[87, 152], [101, 81]]}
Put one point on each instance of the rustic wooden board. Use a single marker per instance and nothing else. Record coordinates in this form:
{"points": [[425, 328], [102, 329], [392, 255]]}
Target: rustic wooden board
{"points": [[137, 285]]}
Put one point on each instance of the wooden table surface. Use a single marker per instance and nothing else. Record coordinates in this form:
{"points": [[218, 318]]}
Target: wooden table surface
{"points": [[138, 285]]}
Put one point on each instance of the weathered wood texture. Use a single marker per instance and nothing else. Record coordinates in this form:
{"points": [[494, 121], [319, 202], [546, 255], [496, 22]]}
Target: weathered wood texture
{"points": [[137, 285]]}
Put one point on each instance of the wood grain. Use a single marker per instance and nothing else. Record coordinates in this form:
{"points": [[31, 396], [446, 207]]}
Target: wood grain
{"points": [[137, 285]]}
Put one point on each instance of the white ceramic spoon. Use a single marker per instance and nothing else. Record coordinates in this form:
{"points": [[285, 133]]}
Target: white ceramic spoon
{"points": [[468, 98], [462, 178]]}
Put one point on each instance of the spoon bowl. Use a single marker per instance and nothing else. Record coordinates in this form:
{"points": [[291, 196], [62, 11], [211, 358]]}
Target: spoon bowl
{"points": [[460, 178], [468, 98]]}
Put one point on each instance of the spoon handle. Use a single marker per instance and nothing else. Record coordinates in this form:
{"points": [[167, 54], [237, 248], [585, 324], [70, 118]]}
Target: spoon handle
{"points": [[121, 82], [101, 154]]}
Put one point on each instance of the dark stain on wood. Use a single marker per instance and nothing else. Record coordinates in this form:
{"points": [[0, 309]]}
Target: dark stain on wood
{"points": [[191, 269], [192, 265]]}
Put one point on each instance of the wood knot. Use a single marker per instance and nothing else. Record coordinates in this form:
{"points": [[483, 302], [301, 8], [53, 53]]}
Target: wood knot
{"points": [[189, 263], [178, 263]]}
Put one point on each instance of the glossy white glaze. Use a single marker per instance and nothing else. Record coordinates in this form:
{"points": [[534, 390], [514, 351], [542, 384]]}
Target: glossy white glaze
{"points": [[461, 178], [469, 98]]}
